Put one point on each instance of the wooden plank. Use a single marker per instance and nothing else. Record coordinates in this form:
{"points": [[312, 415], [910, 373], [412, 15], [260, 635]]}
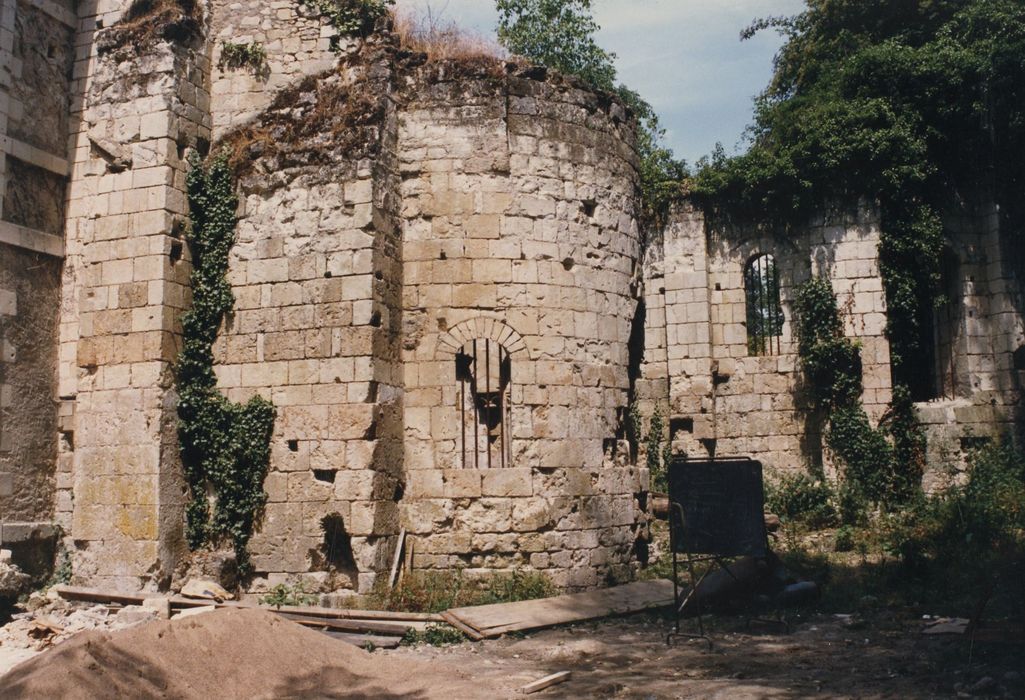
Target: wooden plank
{"points": [[496, 620], [396, 559], [343, 613], [100, 596], [94, 595], [546, 682], [361, 640], [464, 628], [357, 626], [567, 608]]}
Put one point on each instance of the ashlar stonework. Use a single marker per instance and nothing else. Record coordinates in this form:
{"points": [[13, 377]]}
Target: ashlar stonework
{"points": [[441, 284]]}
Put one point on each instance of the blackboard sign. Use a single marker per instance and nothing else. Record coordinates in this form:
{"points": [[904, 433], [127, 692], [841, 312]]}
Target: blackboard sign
{"points": [[723, 507]]}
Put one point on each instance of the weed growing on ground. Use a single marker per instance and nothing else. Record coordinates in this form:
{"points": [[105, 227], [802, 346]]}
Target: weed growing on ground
{"points": [[802, 498], [437, 591], [434, 635], [284, 594]]}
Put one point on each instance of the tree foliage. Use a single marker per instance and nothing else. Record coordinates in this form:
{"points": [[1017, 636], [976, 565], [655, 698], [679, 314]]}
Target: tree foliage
{"points": [[916, 104], [559, 34]]}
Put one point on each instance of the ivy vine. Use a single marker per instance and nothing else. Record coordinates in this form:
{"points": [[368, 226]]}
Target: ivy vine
{"points": [[225, 446], [916, 105], [875, 470], [350, 17]]}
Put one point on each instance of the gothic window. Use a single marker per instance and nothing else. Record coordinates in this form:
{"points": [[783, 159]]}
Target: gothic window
{"points": [[764, 312], [483, 371]]}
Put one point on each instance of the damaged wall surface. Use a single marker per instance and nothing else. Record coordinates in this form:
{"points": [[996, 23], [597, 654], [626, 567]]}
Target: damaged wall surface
{"points": [[440, 284]]}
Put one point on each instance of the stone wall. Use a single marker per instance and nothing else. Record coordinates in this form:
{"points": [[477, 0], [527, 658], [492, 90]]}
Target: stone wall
{"points": [[297, 43], [317, 284], [125, 284], [978, 389], [724, 400], [486, 206], [519, 229], [36, 50], [439, 285]]}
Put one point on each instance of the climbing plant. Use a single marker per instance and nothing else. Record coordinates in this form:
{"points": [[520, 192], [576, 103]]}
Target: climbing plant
{"points": [[655, 454], [880, 465], [911, 104], [225, 446]]}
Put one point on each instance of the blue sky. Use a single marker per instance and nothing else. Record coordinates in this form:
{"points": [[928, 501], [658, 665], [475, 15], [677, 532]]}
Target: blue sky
{"points": [[684, 56]]}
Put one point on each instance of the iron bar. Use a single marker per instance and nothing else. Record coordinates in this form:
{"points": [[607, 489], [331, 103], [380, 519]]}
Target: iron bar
{"points": [[476, 421], [487, 400], [462, 411]]}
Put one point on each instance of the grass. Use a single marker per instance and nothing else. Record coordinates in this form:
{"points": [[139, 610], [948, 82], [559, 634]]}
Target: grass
{"points": [[146, 22], [443, 40], [437, 591]]}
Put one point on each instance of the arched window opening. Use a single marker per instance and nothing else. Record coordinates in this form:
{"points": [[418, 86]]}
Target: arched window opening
{"points": [[764, 311], [484, 371]]}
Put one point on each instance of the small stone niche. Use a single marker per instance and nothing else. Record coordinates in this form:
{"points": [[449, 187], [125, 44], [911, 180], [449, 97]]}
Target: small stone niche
{"points": [[336, 549]]}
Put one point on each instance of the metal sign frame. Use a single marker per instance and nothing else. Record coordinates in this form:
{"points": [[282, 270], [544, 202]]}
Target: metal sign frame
{"points": [[678, 525]]}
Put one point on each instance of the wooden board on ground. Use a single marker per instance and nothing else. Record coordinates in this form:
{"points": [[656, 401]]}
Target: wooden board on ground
{"points": [[546, 682], [495, 620], [350, 625], [177, 602], [364, 640]]}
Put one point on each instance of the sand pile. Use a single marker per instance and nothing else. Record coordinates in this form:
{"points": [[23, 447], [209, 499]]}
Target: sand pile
{"points": [[227, 654]]}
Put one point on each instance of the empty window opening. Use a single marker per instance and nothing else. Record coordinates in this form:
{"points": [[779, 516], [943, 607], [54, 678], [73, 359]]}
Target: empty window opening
{"points": [[764, 312], [484, 371], [337, 545], [293, 445], [947, 323], [935, 374]]}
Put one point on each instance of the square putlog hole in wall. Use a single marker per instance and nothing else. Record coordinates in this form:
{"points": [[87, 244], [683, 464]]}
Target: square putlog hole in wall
{"points": [[680, 425], [326, 476]]}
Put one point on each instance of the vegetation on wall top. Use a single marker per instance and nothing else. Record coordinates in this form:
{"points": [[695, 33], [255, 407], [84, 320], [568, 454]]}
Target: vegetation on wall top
{"points": [[350, 17], [146, 22], [559, 34], [909, 103]]}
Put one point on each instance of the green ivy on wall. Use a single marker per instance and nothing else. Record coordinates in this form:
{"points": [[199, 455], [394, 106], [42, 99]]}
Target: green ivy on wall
{"points": [[875, 470], [917, 106], [225, 446]]}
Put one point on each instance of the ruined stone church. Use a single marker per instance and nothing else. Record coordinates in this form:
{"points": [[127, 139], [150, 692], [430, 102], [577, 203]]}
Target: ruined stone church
{"points": [[440, 283]]}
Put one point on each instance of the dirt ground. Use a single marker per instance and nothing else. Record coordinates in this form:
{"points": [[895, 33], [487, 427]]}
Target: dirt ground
{"points": [[823, 657]]}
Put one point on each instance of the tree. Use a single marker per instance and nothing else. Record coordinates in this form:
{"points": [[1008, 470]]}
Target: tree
{"points": [[559, 34], [912, 103]]}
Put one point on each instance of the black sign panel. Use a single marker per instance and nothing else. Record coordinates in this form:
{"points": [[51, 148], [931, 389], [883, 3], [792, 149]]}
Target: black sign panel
{"points": [[723, 507]]}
